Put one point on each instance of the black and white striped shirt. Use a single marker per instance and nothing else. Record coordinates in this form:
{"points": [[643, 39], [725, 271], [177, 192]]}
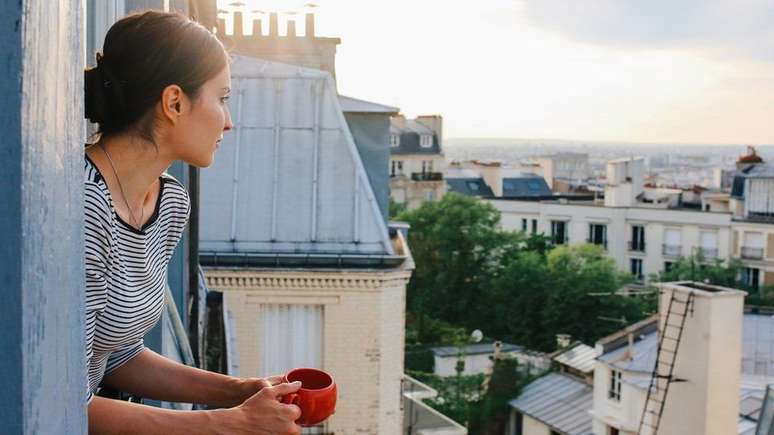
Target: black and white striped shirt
{"points": [[126, 272]]}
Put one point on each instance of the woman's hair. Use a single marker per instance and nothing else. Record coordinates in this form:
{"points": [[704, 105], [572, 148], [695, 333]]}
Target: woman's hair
{"points": [[142, 55]]}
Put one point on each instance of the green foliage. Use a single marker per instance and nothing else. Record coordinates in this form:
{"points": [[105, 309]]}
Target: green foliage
{"points": [[512, 285], [490, 414], [395, 209], [696, 268], [455, 395], [419, 358]]}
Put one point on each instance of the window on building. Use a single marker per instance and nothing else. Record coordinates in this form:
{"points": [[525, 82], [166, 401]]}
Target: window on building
{"points": [[524, 224], [473, 186], [429, 195], [392, 168], [427, 166], [598, 234], [668, 266], [291, 336], [559, 232], [614, 392], [751, 277], [426, 140], [394, 140], [613, 431], [637, 243], [752, 246], [672, 242], [397, 168], [635, 267], [534, 226], [708, 244]]}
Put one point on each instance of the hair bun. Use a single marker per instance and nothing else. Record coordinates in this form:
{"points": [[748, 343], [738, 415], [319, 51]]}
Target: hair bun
{"points": [[103, 94]]}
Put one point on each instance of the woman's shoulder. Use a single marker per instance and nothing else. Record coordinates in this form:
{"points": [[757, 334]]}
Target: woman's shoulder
{"points": [[175, 193], [96, 199]]}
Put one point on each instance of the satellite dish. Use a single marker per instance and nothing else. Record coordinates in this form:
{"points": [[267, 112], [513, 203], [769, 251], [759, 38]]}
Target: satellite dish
{"points": [[477, 335]]}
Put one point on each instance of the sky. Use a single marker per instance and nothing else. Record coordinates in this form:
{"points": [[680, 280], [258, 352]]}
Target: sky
{"points": [[667, 71]]}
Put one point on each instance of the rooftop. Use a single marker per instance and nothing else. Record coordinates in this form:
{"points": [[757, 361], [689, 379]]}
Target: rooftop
{"points": [[474, 349], [559, 401]]}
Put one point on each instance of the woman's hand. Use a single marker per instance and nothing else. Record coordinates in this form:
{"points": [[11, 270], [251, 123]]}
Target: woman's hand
{"points": [[250, 386], [263, 413]]}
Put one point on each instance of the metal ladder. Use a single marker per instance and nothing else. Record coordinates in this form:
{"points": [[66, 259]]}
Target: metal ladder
{"points": [[663, 371]]}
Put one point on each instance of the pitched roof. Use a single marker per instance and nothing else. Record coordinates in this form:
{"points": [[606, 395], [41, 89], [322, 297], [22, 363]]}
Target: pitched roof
{"points": [[355, 105], [469, 186], [528, 185], [580, 357], [288, 178], [559, 401]]}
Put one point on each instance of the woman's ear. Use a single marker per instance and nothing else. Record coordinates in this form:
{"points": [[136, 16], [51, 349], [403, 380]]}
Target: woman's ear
{"points": [[172, 103]]}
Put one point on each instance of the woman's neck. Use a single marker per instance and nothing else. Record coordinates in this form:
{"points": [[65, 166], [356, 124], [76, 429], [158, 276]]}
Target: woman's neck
{"points": [[137, 163]]}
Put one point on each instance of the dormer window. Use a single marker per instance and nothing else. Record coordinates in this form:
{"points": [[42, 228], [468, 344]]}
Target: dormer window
{"points": [[426, 140], [394, 140]]}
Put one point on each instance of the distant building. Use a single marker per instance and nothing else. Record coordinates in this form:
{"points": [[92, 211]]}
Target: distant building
{"points": [[565, 171], [477, 359], [646, 229], [417, 162]]}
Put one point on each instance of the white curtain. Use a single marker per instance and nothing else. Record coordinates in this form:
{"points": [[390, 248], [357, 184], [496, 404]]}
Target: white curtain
{"points": [[292, 336], [709, 240], [753, 240], [672, 237]]}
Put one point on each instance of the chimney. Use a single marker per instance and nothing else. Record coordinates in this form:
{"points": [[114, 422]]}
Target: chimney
{"points": [[238, 31], [291, 28], [709, 359], [257, 29], [563, 341], [309, 29], [273, 24], [491, 172]]}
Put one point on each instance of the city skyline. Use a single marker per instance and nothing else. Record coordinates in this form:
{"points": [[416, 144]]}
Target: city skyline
{"points": [[698, 72]]}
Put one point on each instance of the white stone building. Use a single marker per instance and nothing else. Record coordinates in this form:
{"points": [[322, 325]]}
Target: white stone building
{"points": [[647, 229], [417, 162]]}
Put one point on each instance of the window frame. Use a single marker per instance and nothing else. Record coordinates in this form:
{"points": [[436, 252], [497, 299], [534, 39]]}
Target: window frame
{"points": [[614, 386]]}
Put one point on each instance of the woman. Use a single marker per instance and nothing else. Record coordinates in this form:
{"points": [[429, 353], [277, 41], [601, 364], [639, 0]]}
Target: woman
{"points": [[159, 94]]}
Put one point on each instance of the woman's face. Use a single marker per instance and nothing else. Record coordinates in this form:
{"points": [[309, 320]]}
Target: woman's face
{"points": [[202, 122]]}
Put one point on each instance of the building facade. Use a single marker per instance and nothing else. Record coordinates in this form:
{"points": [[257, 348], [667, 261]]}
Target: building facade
{"points": [[417, 162]]}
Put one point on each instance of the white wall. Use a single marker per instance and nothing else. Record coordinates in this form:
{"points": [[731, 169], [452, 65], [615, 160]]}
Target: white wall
{"points": [[535, 427]]}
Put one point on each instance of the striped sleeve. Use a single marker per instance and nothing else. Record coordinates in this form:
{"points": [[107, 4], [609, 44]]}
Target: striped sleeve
{"points": [[97, 238]]}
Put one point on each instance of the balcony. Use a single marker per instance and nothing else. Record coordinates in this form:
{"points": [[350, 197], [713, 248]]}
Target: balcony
{"points": [[426, 176], [708, 253], [752, 253], [637, 246], [672, 250]]}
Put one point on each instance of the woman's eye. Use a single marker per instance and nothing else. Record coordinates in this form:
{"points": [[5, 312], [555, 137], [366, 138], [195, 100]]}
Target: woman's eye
{"points": [[226, 98]]}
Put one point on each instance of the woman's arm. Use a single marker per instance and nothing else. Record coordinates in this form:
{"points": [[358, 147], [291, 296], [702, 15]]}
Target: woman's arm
{"points": [[150, 375], [260, 414]]}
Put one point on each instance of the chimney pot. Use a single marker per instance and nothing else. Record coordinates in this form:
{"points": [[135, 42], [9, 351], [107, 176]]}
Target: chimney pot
{"points": [[273, 24], [238, 24], [309, 30], [291, 28]]}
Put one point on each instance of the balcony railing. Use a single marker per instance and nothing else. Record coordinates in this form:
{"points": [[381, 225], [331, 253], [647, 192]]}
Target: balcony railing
{"points": [[637, 246], [752, 253], [672, 250], [427, 176], [708, 253]]}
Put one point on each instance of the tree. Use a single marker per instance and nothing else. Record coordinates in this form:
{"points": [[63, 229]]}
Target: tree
{"points": [[489, 415], [697, 268]]}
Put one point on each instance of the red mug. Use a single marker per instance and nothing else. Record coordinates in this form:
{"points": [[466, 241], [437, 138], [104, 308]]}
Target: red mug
{"points": [[316, 397]]}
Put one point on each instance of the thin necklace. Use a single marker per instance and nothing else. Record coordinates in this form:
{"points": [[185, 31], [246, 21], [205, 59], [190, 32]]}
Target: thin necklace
{"points": [[123, 194]]}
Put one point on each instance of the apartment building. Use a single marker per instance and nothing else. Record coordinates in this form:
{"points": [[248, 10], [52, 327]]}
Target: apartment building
{"points": [[647, 229], [417, 162]]}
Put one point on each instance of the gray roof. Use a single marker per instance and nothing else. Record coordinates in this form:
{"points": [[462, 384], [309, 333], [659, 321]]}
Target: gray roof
{"points": [[410, 130], [525, 186], [757, 349], [559, 401], [474, 349], [469, 186], [288, 178], [580, 357], [355, 105]]}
